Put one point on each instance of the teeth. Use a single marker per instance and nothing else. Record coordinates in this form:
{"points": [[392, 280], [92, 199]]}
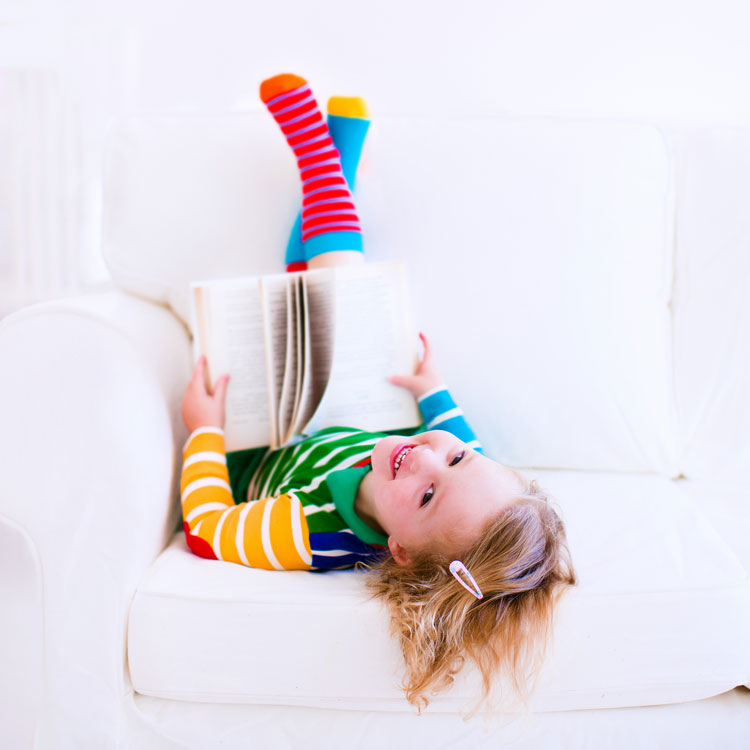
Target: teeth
{"points": [[400, 458]]}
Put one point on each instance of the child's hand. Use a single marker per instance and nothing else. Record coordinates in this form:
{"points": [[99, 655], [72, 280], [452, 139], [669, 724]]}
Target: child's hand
{"points": [[425, 378], [200, 408]]}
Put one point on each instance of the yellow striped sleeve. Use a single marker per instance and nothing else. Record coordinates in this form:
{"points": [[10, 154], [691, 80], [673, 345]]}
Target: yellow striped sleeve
{"points": [[204, 486], [271, 533]]}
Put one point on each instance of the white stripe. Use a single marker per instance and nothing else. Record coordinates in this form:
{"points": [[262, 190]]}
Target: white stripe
{"points": [[437, 389], [474, 444], [251, 493], [265, 534], [204, 509], [321, 477], [202, 431], [217, 533], [444, 417], [218, 458], [310, 509], [239, 538], [299, 542], [296, 460], [197, 528], [322, 441], [333, 552], [327, 458], [204, 482]]}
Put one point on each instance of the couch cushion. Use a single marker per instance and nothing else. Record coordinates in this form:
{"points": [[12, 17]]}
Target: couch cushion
{"points": [[539, 251], [661, 615], [712, 306]]}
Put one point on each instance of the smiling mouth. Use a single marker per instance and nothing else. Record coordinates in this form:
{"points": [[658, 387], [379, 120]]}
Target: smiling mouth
{"points": [[398, 456]]}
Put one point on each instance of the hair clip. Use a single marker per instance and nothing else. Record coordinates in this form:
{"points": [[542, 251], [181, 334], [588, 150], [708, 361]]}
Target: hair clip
{"points": [[457, 567]]}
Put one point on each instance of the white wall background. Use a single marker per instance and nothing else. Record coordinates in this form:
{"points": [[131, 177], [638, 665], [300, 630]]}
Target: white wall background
{"points": [[67, 67]]}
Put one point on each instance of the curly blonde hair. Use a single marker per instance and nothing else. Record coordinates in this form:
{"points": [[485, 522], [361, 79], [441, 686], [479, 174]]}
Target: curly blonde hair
{"points": [[521, 563]]}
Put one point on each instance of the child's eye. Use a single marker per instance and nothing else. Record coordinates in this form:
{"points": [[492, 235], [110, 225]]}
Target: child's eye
{"points": [[457, 458], [427, 496]]}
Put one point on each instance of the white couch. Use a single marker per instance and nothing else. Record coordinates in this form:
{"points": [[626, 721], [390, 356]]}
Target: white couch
{"points": [[586, 287]]}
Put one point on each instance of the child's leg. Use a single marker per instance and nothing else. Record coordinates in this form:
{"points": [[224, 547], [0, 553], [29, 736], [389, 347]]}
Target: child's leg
{"points": [[329, 218], [348, 122]]}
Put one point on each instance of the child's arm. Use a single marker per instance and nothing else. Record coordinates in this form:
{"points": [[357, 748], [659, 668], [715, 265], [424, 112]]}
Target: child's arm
{"points": [[216, 527], [438, 408]]}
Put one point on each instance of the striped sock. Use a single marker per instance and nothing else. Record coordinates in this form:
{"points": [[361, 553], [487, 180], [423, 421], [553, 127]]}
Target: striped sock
{"points": [[329, 217], [348, 121]]}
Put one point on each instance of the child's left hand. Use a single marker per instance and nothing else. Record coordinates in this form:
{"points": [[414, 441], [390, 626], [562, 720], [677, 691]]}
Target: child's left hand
{"points": [[199, 407]]}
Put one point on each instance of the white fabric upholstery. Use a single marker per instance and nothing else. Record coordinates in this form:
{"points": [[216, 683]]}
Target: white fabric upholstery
{"points": [[621, 638], [540, 253], [543, 262], [712, 307], [719, 722], [90, 466]]}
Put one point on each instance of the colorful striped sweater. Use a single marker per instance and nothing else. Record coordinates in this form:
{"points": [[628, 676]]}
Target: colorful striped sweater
{"points": [[298, 513]]}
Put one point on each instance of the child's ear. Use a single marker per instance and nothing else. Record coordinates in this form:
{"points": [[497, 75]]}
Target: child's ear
{"points": [[400, 554]]}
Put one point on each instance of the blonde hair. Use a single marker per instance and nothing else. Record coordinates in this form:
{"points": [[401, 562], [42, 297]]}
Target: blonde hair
{"points": [[521, 563]]}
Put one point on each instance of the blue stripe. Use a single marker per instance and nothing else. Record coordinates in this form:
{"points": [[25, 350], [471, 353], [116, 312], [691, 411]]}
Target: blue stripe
{"points": [[326, 176], [323, 201], [438, 403], [457, 426], [325, 541], [315, 153], [350, 225], [344, 561], [308, 142], [331, 213], [298, 131], [294, 106], [287, 94], [309, 113], [304, 130], [323, 189], [317, 164]]}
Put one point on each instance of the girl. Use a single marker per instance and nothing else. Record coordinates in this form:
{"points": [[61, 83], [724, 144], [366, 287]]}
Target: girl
{"points": [[468, 554]]}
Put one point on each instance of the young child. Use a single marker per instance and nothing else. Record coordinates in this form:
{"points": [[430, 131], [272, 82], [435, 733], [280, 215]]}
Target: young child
{"points": [[469, 555]]}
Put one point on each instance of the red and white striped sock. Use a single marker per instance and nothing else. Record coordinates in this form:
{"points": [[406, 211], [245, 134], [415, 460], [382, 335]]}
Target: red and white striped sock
{"points": [[329, 216]]}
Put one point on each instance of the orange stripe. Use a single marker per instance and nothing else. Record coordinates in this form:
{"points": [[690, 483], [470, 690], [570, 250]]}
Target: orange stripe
{"points": [[205, 495], [201, 470], [281, 535], [206, 441], [252, 539], [208, 527], [227, 544]]}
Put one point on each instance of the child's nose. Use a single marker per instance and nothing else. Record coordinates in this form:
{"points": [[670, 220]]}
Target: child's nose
{"points": [[423, 459]]}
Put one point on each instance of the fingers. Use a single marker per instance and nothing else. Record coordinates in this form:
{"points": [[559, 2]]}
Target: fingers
{"points": [[198, 369], [220, 389], [427, 347], [402, 380]]}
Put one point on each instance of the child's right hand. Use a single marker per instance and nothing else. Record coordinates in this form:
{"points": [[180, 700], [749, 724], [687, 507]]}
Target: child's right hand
{"points": [[201, 408], [425, 378]]}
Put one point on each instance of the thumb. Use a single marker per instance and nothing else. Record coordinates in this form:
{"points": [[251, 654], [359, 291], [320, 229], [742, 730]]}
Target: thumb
{"points": [[220, 389], [198, 368], [403, 380]]}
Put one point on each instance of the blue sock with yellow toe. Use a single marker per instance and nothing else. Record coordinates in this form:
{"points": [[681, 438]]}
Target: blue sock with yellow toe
{"points": [[348, 121]]}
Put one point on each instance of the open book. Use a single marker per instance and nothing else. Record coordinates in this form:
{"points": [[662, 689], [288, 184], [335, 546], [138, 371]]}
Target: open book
{"points": [[308, 350]]}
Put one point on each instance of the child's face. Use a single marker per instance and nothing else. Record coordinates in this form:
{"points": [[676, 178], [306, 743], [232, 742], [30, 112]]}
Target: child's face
{"points": [[440, 496]]}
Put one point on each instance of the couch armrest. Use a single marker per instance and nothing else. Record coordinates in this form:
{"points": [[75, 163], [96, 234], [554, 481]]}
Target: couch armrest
{"points": [[90, 455]]}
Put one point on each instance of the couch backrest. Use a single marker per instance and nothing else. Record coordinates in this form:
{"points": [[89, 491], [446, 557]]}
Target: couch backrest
{"points": [[712, 305], [540, 255]]}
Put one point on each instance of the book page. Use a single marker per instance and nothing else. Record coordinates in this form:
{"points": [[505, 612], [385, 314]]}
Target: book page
{"points": [[373, 338], [274, 305], [318, 302], [289, 389], [300, 317], [228, 326]]}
